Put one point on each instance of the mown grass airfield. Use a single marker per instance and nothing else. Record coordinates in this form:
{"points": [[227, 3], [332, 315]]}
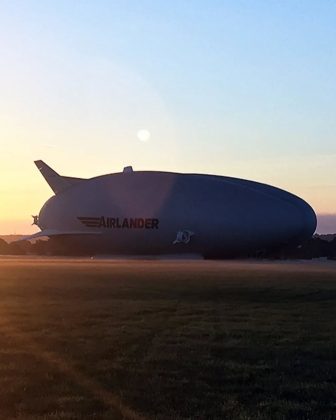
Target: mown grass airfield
{"points": [[155, 339]]}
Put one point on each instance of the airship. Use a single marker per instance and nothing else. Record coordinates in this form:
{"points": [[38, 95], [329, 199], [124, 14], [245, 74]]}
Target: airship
{"points": [[155, 212]]}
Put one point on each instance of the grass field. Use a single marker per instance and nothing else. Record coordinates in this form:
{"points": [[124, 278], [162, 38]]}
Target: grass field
{"points": [[167, 339]]}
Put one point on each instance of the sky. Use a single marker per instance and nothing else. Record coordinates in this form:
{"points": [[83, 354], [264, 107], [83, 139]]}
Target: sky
{"points": [[235, 88]]}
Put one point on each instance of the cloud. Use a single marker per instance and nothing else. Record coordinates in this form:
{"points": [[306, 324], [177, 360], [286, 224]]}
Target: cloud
{"points": [[326, 223]]}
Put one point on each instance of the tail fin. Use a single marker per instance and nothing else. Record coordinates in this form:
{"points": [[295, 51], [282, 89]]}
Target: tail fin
{"points": [[56, 182]]}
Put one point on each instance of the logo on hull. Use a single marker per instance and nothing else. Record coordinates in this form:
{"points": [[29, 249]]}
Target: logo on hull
{"points": [[183, 237], [119, 223]]}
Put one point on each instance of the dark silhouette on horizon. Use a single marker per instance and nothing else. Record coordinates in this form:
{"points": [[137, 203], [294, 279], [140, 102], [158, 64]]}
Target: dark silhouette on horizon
{"points": [[319, 246]]}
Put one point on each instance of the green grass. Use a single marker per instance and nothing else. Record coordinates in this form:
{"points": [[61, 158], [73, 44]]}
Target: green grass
{"points": [[167, 339]]}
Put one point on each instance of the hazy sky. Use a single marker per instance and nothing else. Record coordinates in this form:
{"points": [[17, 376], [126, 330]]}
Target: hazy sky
{"points": [[239, 88]]}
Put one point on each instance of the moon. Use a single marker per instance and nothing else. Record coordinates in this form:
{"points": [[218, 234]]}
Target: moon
{"points": [[143, 135]]}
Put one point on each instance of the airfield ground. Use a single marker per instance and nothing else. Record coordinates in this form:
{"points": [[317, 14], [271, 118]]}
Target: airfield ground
{"points": [[167, 339]]}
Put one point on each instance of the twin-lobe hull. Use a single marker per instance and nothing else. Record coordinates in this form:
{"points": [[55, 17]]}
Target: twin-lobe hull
{"points": [[161, 212]]}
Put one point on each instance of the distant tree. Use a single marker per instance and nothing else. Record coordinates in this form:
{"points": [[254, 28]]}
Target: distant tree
{"points": [[3, 247], [312, 248], [25, 246], [16, 248], [332, 249], [40, 248]]}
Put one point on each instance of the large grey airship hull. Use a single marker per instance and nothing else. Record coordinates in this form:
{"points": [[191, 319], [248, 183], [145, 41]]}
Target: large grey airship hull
{"points": [[149, 212]]}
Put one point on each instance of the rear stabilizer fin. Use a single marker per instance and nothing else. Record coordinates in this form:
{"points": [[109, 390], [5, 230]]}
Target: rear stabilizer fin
{"points": [[56, 182]]}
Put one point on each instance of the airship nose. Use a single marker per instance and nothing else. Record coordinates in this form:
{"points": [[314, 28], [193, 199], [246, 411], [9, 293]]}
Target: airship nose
{"points": [[290, 218], [308, 220], [303, 220]]}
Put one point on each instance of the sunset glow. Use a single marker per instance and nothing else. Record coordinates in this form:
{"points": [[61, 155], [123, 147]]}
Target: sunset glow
{"points": [[212, 89]]}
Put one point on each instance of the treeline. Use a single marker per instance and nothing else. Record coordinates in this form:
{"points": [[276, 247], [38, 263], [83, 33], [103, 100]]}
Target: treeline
{"points": [[316, 247]]}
